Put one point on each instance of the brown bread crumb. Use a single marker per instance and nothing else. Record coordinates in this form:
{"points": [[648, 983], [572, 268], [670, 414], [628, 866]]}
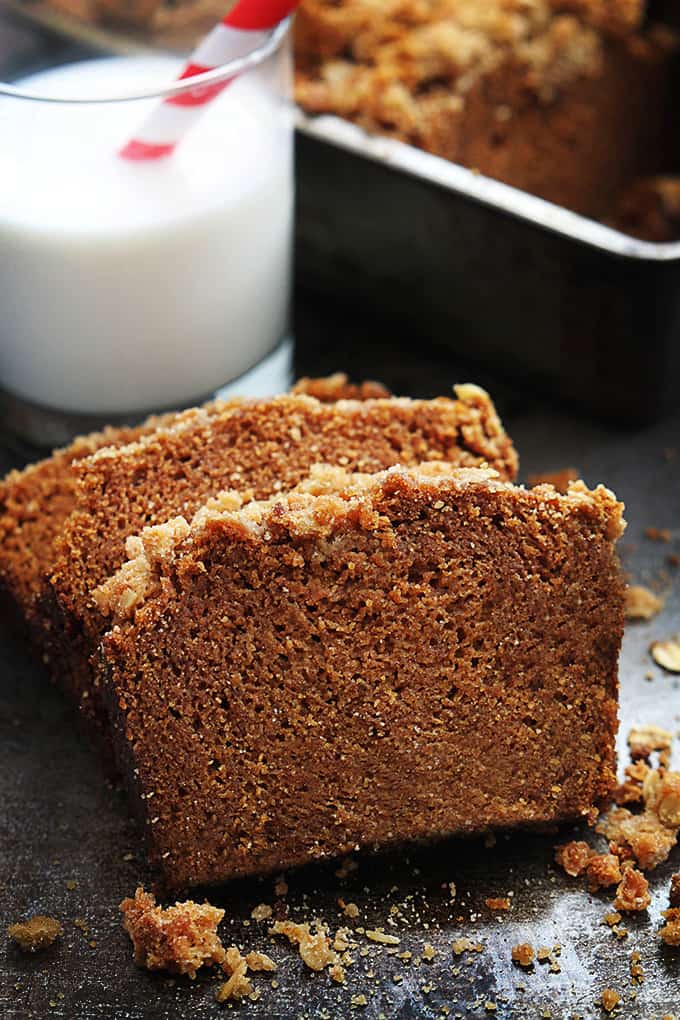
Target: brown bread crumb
{"points": [[337, 973], [667, 654], [632, 893], [378, 935], [674, 894], [658, 534], [641, 603], [523, 954], [645, 835], [238, 985], [498, 903], [636, 970], [37, 932], [643, 740], [670, 932], [180, 939], [261, 912], [603, 870], [631, 790], [314, 947], [260, 961], [610, 999], [573, 857], [350, 910]]}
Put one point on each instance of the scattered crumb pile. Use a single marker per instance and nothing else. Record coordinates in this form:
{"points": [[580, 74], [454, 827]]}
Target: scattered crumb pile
{"points": [[638, 840], [641, 603], [36, 933], [183, 938]]}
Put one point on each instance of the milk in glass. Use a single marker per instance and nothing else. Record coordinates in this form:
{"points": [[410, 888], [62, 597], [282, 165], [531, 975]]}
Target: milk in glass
{"points": [[127, 286]]}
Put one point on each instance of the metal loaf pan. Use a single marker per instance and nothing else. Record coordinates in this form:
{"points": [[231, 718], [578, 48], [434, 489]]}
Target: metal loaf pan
{"points": [[502, 279]]}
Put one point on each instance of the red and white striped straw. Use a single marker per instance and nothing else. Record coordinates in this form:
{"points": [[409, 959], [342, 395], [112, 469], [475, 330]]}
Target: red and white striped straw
{"points": [[240, 32]]}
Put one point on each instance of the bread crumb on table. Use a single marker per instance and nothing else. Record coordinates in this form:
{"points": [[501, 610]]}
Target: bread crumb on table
{"points": [[641, 603], [603, 870], [498, 902], [37, 932], [632, 893], [314, 946], [378, 935], [261, 912], [674, 892], [643, 740], [238, 985], [667, 654], [670, 932], [573, 857], [179, 939], [658, 534], [610, 999], [523, 954], [260, 961]]}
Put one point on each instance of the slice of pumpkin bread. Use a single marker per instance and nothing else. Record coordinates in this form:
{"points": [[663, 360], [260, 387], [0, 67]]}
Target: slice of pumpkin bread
{"points": [[261, 446], [366, 660]]}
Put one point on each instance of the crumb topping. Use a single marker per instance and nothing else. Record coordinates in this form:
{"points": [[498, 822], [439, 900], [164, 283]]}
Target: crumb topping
{"points": [[36, 933], [641, 603], [180, 939], [314, 946], [523, 954]]}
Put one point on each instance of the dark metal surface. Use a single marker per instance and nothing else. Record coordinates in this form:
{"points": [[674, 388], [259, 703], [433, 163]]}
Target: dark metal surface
{"points": [[61, 822]]}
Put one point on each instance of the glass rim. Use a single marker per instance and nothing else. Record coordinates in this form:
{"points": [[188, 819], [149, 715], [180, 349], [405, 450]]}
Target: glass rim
{"points": [[215, 76]]}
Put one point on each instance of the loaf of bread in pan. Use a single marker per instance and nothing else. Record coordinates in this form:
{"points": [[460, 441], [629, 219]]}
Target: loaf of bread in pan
{"points": [[566, 99]]}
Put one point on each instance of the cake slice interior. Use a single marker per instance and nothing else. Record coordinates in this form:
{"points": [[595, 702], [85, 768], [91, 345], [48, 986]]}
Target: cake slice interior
{"points": [[364, 660]]}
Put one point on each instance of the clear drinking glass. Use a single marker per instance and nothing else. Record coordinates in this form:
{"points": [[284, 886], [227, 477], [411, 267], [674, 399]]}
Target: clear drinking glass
{"points": [[129, 287]]}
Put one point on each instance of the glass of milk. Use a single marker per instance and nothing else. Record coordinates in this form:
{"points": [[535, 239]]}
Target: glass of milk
{"points": [[129, 287]]}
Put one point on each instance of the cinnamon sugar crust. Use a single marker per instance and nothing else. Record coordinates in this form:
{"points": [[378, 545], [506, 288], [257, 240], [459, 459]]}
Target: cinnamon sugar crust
{"points": [[368, 626], [262, 446]]}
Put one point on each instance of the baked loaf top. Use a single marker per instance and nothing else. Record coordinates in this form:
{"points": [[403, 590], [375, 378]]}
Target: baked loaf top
{"points": [[432, 52], [364, 659]]}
